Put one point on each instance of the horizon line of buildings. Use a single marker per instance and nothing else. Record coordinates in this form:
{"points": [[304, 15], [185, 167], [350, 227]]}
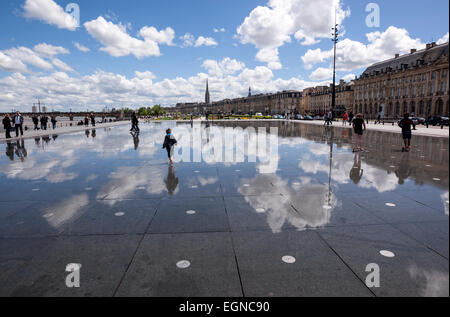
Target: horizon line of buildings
{"points": [[416, 83]]}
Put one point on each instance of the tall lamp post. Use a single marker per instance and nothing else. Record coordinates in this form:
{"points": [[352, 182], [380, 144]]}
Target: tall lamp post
{"points": [[335, 41]]}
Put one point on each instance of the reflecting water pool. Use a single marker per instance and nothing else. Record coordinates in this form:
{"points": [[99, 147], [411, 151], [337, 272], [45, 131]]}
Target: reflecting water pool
{"points": [[261, 192]]}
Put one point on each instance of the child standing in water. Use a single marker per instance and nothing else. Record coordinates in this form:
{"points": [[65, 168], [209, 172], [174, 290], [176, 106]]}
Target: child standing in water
{"points": [[359, 127], [169, 144], [406, 124]]}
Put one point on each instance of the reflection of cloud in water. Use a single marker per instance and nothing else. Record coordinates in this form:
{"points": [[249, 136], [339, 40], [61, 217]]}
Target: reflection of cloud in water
{"points": [[435, 283], [60, 177], [207, 181], [91, 177], [126, 180], [29, 170], [67, 211], [341, 167], [312, 199]]}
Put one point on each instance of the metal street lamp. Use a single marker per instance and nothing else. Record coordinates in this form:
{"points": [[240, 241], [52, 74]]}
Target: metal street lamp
{"points": [[335, 40]]}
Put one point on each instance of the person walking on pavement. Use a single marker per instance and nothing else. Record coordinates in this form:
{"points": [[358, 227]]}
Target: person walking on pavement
{"points": [[92, 119], [7, 126], [344, 119], [18, 123], [53, 119], [44, 121], [36, 122], [350, 118], [330, 118], [169, 144], [134, 123]]}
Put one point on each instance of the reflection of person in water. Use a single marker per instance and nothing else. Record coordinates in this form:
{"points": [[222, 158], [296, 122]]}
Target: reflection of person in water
{"points": [[87, 133], [356, 172], [208, 132], [135, 139], [10, 150], [171, 181], [404, 170], [94, 133], [54, 137], [21, 151]]}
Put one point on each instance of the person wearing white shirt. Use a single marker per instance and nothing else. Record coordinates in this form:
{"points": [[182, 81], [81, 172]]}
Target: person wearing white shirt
{"points": [[18, 124]]}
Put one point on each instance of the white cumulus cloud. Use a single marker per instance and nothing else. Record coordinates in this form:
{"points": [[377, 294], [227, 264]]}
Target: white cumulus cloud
{"points": [[271, 26], [205, 41], [117, 42], [81, 47], [352, 55], [49, 12]]}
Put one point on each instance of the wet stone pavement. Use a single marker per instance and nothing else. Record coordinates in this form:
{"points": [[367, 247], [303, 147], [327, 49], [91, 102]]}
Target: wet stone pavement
{"points": [[305, 220]]}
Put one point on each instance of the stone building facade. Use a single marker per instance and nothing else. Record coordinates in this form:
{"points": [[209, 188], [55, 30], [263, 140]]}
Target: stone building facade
{"points": [[277, 103], [415, 83], [317, 100]]}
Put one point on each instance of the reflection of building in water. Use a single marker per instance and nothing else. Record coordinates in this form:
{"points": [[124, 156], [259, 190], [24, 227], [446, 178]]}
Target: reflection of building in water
{"points": [[382, 146]]}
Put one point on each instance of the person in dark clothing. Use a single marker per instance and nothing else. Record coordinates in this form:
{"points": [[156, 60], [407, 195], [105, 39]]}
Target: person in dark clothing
{"points": [[406, 124], [36, 122], [356, 173], [134, 123], [7, 126], [86, 120], [53, 119], [171, 181], [44, 121], [18, 123], [135, 136], [169, 144], [21, 151], [10, 150], [359, 126], [92, 119], [350, 117]]}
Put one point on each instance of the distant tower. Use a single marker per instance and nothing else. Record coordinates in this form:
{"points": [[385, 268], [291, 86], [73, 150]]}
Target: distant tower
{"points": [[249, 91], [207, 97]]}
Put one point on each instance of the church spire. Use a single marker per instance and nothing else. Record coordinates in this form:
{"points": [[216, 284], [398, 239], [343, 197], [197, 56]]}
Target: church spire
{"points": [[207, 97], [249, 91]]}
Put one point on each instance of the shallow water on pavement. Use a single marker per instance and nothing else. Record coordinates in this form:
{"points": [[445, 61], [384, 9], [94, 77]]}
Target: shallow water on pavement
{"points": [[111, 182]]}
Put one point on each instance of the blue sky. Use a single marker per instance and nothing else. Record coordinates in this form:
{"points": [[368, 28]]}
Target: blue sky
{"points": [[270, 45]]}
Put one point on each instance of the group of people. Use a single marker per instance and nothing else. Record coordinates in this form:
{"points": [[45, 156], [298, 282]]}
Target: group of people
{"points": [[15, 122], [89, 118], [43, 120], [347, 118], [359, 126]]}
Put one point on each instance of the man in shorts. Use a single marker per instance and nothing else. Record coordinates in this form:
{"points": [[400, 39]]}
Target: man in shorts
{"points": [[406, 124]]}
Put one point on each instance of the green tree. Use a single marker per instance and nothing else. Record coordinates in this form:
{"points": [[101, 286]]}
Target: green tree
{"points": [[143, 111], [157, 111]]}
